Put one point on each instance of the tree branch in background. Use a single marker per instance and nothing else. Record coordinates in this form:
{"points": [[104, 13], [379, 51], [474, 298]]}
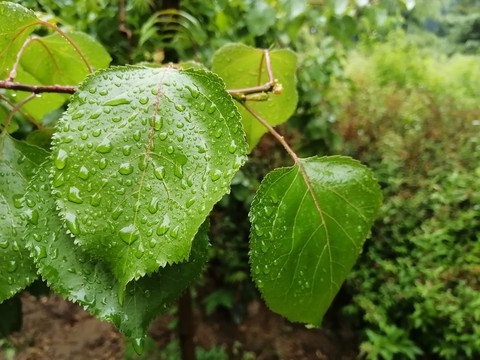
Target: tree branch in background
{"points": [[36, 89]]}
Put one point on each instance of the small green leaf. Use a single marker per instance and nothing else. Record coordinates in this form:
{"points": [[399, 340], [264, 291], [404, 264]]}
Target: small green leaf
{"points": [[238, 66], [52, 60], [303, 245], [14, 30], [18, 161], [141, 156], [76, 275]]}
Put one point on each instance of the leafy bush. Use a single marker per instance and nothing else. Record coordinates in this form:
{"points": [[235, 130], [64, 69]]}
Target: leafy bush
{"points": [[413, 119]]}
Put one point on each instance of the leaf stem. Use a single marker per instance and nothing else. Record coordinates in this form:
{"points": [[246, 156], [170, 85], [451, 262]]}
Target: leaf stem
{"points": [[14, 110], [13, 73], [274, 132]]}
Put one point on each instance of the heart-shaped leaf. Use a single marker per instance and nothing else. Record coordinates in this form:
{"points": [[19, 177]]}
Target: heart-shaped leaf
{"points": [[309, 223], [140, 158], [241, 66], [75, 274], [18, 161]]}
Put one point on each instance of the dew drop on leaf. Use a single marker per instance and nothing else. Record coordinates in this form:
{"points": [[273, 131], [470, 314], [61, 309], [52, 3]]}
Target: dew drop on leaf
{"points": [[129, 234], [83, 173], [74, 195], [72, 223], [216, 175], [125, 169], [105, 146], [61, 159], [159, 172]]}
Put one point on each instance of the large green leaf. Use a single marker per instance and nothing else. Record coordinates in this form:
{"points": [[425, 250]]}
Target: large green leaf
{"points": [[52, 60], [74, 274], [304, 243], [141, 156], [18, 161], [14, 30], [238, 65]]}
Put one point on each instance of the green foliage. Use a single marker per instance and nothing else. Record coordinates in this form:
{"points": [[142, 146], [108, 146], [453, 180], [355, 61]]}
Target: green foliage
{"points": [[18, 161], [167, 141], [78, 276], [416, 285], [322, 206], [113, 217], [238, 65]]}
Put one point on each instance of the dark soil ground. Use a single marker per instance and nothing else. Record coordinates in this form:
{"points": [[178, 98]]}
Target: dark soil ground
{"points": [[57, 329]]}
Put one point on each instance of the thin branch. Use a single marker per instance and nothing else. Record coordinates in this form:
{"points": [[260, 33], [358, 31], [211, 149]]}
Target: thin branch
{"points": [[14, 110], [274, 132], [28, 116], [13, 73], [271, 86], [64, 89]]}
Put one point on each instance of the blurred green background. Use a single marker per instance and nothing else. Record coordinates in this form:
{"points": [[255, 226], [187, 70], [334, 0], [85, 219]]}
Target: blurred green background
{"points": [[395, 84]]}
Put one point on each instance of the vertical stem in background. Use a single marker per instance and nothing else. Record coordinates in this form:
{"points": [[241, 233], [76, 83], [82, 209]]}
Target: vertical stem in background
{"points": [[185, 326], [14, 110]]}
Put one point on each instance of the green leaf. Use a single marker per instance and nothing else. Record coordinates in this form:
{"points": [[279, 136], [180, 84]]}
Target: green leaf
{"points": [[238, 66], [18, 161], [14, 30], [141, 156], [52, 60], [303, 245], [75, 274]]}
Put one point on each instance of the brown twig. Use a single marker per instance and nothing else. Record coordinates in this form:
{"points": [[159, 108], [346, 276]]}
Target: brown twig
{"points": [[36, 89]]}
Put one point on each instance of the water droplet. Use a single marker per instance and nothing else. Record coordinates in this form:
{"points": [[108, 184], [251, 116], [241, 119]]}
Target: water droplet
{"points": [[102, 163], [258, 230], [40, 251], [61, 159], [95, 199], [268, 210], [74, 195], [18, 201], [233, 147], [138, 345], [116, 213], [163, 135], [143, 100], [165, 226], [179, 107], [97, 132], [72, 223], [218, 133], [125, 169], [195, 93], [178, 172], [170, 150], [105, 146], [83, 173], [103, 92], [159, 172], [12, 266], [115, 102], [174, 232], [136, 135], [215, 175], [211, 109], [77, 116], [190, 202], [129, 234], [127, 149], [153, 206], [140, 251]]}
